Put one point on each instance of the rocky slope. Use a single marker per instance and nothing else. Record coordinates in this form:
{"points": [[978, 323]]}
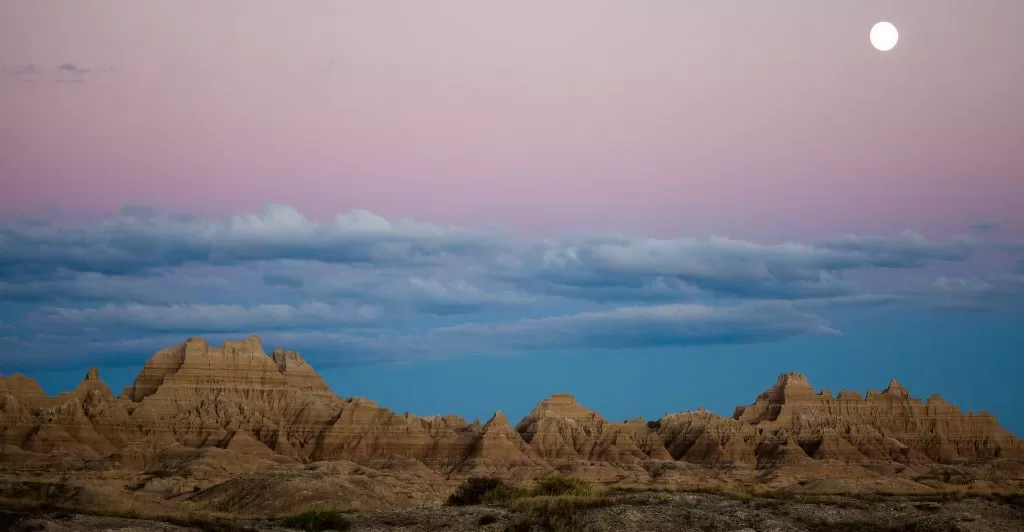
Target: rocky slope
{"points": [[198, 409]]}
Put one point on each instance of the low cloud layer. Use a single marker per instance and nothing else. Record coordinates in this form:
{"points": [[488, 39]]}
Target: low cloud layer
{"points": [[67, 72], [366, 288]]}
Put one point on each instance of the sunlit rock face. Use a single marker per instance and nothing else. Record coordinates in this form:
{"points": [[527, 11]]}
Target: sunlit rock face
{"points": [[238, 401]]}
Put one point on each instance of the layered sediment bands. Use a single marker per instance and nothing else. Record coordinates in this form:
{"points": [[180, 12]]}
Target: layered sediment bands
{"points": [[704, 438], [560, 429], [201, 404], [886, 425]]}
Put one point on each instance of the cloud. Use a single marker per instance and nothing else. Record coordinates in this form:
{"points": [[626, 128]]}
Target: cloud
{"points": [[276, 279], [355, 286], [908, 250], [629, 328], [178, 285], [139, 240], [625, 268], [442, 290], [26, 72], [985, 226], [66, 287], [990, 293], [49, 352], [623, 328], [62, 73], [639, 327], [203, 318], [72, 69], [432, 296]]}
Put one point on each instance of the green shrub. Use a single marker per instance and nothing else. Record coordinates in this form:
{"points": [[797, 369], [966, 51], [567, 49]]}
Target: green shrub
{"points": [[473, 491], [557, 486], [317, 521], [560, 505], [504, 494]]}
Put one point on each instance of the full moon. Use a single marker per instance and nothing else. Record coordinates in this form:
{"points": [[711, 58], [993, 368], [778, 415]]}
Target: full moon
{"points": [[884, 36]]}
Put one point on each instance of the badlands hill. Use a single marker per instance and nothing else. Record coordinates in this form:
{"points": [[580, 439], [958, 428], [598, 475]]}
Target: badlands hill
{"points": [[209, 423]]}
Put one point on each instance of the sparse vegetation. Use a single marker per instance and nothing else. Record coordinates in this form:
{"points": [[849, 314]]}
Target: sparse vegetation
{"points": [[568, 509], [558, 513], [473, 491], [558, 504], [522, 525], [27, 525], [489, 490], [210, 525], [553, 503], [504, 494], [317, 521], [559, 485]]}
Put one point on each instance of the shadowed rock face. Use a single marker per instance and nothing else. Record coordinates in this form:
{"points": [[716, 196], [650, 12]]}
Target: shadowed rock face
{"points": [[236, 400]]}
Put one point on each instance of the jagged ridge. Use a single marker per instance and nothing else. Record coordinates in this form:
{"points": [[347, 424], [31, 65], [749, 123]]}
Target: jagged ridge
{"points": [[196, 398]]}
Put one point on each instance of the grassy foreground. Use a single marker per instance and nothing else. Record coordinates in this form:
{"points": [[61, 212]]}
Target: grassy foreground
{"points": [[552, 504]]}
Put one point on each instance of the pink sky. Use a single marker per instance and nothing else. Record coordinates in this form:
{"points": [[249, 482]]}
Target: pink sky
{"points": [[659, 116]]}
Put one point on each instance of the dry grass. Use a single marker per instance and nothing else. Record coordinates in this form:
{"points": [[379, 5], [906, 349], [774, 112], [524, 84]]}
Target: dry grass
{"points": [[128, 509], [505, 495], [764, 493], [558, 504], [553, 504], [317, 521]]}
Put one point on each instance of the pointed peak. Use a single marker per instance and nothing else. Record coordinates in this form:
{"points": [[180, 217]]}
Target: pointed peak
{"points": [[498, 419], [93, 374], [895, 388]]}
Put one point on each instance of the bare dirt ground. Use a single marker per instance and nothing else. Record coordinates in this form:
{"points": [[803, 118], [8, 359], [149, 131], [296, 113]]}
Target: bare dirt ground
{"points": [[621, 511]]}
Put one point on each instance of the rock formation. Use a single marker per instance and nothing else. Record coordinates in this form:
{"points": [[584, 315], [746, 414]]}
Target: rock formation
{"points": [[560, 429], [887, 425], [200, 406]]}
